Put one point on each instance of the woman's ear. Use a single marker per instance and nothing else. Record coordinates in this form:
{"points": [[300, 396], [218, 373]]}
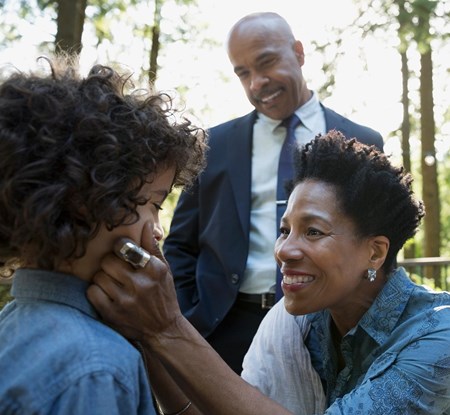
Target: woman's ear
{"points": [[379, 247]]}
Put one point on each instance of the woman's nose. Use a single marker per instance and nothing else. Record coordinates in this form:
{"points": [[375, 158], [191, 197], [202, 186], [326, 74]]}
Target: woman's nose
{"points": [[287, 249]]}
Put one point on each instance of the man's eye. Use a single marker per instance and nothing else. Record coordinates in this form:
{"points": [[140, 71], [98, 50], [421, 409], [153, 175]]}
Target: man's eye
{"points": [[267, 62], [242, 75]]}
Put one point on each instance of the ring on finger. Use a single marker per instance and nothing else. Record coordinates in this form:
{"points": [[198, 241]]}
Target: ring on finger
{"points": [[133, 254]]}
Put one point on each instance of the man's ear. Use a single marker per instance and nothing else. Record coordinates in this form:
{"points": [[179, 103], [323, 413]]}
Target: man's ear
{"points": [[299, 53], [379, 247]]}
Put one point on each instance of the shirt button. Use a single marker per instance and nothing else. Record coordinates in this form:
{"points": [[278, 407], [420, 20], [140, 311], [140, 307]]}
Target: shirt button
{"points": [[234, 278]]}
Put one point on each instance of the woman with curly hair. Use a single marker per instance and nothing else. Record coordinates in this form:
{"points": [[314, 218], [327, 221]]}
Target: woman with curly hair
{"points": [[352, 335], [83, 162]]}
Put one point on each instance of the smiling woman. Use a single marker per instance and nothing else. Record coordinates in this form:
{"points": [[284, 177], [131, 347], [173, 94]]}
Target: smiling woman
{"points": [[321, 254], [353, 333], [374, 338]]}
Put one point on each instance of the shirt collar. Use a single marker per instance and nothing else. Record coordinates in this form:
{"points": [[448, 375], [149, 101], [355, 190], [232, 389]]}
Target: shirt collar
{"points": [[306, 113], [271, 124], [52, 286], [382, 317]]}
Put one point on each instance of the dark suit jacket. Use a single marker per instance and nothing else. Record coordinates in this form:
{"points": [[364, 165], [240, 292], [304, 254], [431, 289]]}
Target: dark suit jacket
{"points": [[207, 246]]}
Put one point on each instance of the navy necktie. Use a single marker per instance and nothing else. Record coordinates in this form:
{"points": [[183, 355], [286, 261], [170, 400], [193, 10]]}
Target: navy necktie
{"points": [[285, 172]]}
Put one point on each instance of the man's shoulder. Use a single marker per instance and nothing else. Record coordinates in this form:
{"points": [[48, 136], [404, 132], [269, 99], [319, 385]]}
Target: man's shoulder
{"points": [[352, 129], [239, 122]]}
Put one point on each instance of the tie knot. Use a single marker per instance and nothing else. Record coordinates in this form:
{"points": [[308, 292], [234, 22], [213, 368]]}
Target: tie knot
{"points": [[291, 122]]}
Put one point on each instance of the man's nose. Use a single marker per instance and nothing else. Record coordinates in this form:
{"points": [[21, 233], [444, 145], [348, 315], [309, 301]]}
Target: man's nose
{"points": [[257, 82]]}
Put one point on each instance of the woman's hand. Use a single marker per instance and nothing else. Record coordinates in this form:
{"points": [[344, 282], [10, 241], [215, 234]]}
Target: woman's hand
{"points": [[140, 303]]}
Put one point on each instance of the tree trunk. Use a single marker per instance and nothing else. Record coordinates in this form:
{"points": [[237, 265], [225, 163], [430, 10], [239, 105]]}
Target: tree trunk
{"points": [[153, 70], [409, 250], [430, 188], [70, 23]]}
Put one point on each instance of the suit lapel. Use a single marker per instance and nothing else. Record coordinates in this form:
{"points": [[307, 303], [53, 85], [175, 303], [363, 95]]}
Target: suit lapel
{"points": [[240, 166]]}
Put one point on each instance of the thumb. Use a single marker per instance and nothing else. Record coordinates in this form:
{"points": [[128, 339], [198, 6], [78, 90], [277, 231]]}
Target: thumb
{"points": [[151, 244]]}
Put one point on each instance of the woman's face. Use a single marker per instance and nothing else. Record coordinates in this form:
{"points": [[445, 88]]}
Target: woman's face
{"points": [[323, 262], [103, 242]]}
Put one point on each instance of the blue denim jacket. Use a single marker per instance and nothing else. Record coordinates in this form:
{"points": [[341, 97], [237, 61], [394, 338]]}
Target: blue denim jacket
{"points": [[397, 359], [56, 357]]}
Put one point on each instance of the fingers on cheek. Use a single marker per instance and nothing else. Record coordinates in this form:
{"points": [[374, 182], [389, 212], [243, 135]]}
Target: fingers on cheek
{"points": [[99, 299], [117, 273], [101, 279], [106, 285], [113, 266], [108, 300]]}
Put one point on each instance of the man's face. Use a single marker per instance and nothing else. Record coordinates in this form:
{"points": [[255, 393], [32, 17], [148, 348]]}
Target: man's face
{"points": [[269, 68]]}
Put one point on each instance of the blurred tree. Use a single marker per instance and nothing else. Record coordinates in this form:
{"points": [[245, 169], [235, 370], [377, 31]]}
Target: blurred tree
{"points": [[106, 12], [444, 194], [70, 24], [416, 25], [414, 20], [156, 31], [71, 15], [405, 129], [423, 11]]}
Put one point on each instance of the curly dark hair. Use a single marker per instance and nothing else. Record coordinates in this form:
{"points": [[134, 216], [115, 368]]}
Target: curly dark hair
{"points": [[375, 194], [75, 153]]}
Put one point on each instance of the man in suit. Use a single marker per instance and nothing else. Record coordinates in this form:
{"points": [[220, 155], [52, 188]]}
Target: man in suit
{"points": [[220, 245]]}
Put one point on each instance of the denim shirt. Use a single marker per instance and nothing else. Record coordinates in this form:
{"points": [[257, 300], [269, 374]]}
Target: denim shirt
{"points": [[397, 359], [56, 357]]}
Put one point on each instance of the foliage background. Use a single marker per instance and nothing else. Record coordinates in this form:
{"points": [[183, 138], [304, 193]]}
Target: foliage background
{"points": [[352, 59]]}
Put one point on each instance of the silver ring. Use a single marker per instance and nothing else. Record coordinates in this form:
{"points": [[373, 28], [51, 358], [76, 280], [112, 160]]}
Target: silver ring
{"points": [[131, 253]]}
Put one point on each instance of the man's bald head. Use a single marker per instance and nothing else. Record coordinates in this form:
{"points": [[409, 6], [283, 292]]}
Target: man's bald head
{"points": [[264, 23]]}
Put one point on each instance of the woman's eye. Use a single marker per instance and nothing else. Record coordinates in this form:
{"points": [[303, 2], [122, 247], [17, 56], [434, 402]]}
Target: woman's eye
{"points": [[313, 232], [284, 231], [157, 206]]}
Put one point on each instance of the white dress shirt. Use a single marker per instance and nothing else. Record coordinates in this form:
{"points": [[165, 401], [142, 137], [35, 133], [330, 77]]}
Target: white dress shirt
{"points": [[268, 137]]}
